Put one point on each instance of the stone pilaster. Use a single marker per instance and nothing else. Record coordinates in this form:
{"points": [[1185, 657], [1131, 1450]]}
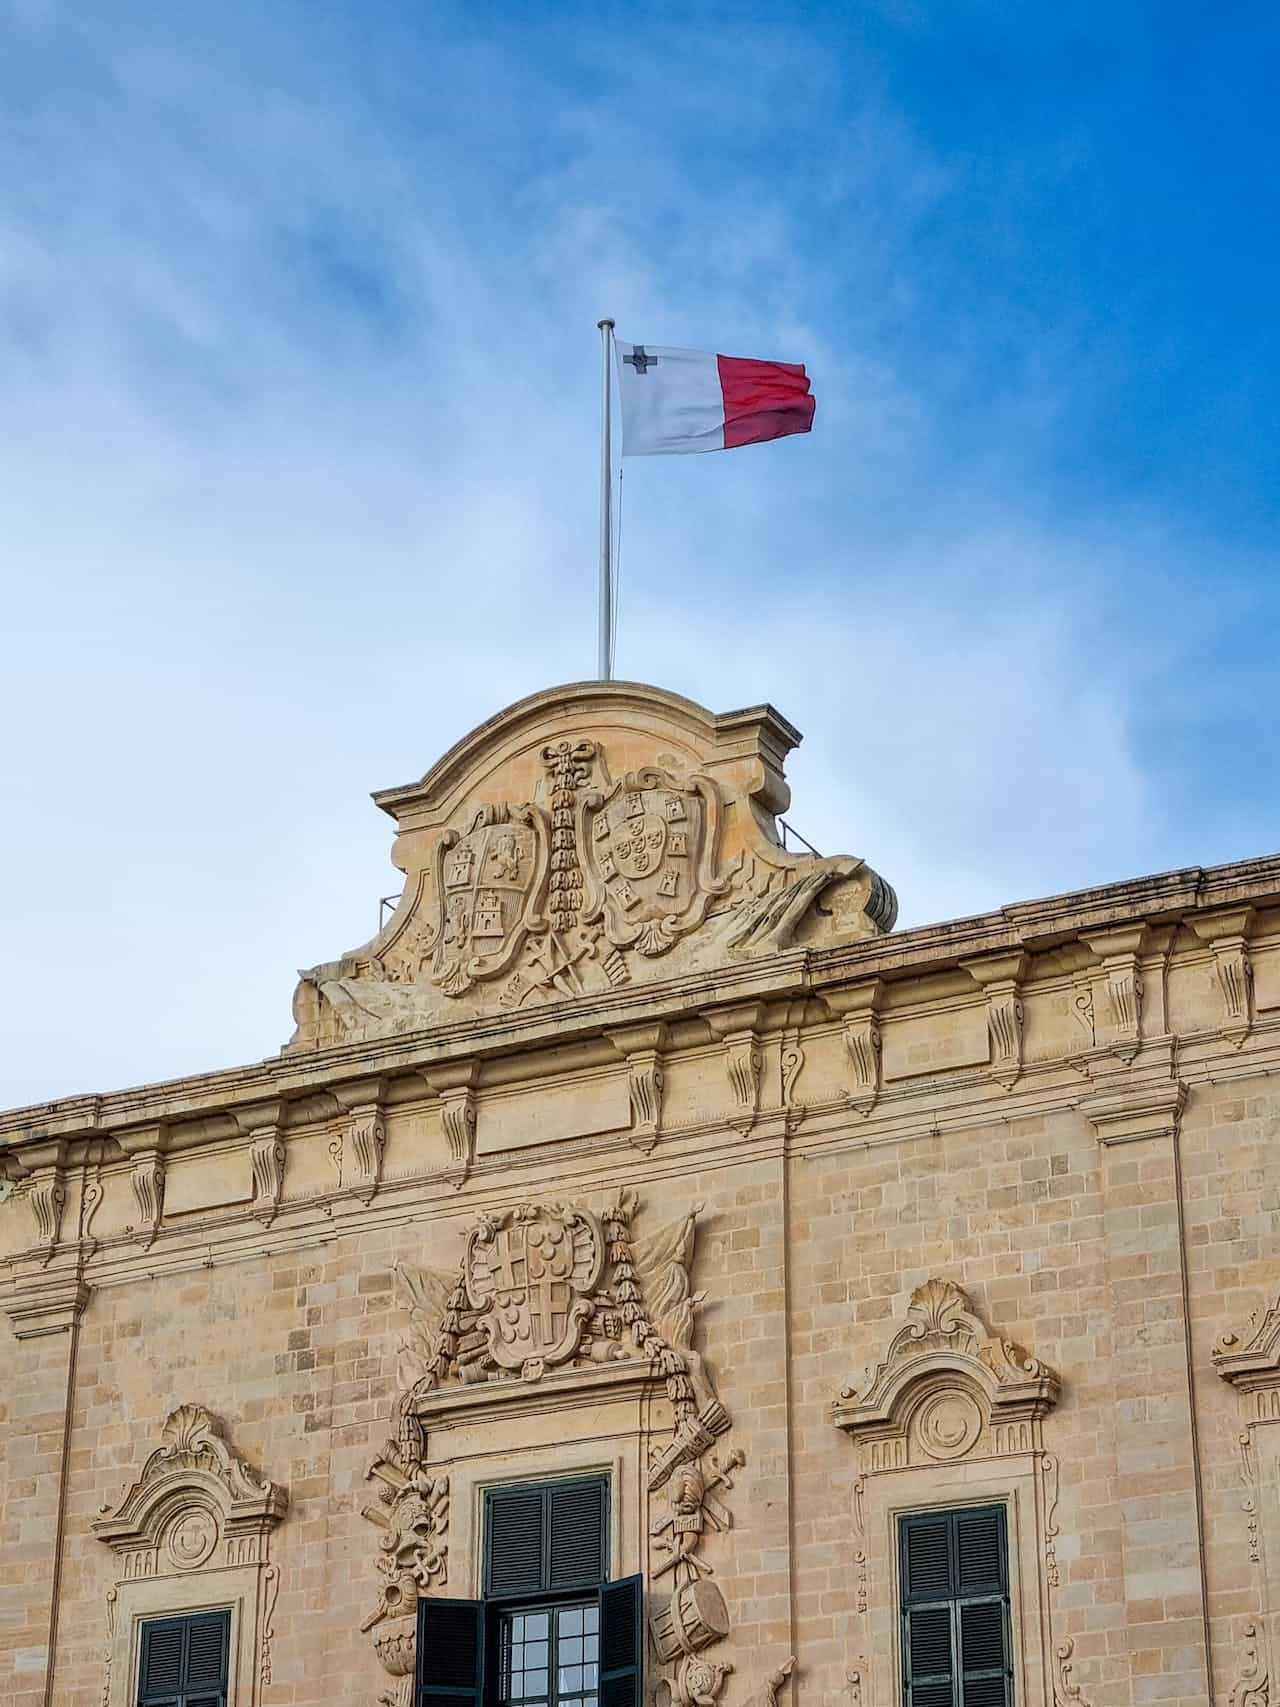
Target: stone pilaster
{"points": [[1157, 1482]]}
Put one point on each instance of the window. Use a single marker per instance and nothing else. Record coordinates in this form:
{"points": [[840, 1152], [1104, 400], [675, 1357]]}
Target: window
{"points": [[183, 1661], [954, 1573], [550, 1632]]}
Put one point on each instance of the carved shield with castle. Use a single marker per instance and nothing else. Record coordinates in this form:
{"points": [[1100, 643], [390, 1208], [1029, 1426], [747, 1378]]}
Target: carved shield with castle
{"points": [[491, 883], [531, 1273], [649, 851]]}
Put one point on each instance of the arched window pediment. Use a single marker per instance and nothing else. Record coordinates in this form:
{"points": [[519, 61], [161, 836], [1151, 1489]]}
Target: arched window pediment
{"points": [[944, 1383]]}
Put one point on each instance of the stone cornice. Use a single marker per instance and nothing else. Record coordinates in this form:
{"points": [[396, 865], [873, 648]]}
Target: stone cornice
{"points": [[1037, 925]]}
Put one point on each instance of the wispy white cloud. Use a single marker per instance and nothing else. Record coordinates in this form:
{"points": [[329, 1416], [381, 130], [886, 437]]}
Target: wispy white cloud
{"points": [[298, 423]]}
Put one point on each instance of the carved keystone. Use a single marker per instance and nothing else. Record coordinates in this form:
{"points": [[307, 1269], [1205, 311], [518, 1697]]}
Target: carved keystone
{"points": [[364, 1135], [455, 1084], [738, 1029], [1226, 934], [643, 1047], [263, 1122], [1000, 978], [859, 1009]]}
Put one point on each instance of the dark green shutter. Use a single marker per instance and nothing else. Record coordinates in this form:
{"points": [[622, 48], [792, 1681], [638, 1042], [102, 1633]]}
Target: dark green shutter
{"points": [[621, 1642], [545, 1539], [516, 1542], [450, 1653], [183, 1661], [953, 1569], [576, 1517]]}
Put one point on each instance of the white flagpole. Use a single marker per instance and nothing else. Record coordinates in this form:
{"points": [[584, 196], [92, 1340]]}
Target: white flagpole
{"points": [[606, 519]]}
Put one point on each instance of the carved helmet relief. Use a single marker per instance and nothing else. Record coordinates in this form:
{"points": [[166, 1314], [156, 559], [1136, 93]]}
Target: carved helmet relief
{"points": [[585, 839]]}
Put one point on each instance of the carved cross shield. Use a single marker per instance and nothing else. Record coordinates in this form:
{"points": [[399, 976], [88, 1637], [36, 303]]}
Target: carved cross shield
{"points": [[531, 1273], [649, 849], [490, 884]]}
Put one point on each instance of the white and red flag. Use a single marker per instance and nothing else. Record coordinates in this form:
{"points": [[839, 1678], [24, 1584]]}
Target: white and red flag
{"points": [[675, 401]]}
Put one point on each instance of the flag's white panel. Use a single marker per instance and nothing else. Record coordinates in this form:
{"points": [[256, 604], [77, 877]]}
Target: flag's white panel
{"points": [[671, 400]]}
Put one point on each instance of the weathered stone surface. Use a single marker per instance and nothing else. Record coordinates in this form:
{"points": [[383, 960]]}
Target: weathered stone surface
{"points": [[842, 1222]]}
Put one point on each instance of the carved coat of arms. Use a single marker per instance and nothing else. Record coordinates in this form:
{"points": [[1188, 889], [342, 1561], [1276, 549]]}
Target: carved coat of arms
{"points": [[491, 883], [531, 1274], [649, 848]]}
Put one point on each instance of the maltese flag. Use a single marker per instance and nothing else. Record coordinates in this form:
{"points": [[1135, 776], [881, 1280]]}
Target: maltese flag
{"points": [[675, 401]]}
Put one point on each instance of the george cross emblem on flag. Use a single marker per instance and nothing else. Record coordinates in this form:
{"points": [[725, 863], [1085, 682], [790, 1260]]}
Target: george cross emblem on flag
{"points": [[640, 360]]}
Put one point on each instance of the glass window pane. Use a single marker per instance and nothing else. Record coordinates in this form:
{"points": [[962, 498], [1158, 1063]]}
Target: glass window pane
{"points": [[535, 1626], [571, 1621], [591, 1618]]}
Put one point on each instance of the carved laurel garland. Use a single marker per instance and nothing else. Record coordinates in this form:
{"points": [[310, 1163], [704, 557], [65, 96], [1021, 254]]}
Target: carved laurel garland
{"points": [[948, 1389], [1250, 1362], [631, 1302]]}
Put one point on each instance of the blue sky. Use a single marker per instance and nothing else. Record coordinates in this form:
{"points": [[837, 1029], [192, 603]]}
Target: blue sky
{"points": [[298, 422]]}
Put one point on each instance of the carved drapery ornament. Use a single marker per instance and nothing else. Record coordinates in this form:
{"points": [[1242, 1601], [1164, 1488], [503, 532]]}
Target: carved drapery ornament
{"points": [[195, 1506], [541, 1291]]}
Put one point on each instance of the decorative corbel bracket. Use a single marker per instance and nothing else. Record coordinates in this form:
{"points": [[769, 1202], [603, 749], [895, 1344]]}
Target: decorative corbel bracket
{"points": [[146, 1147], [44, 1186], [738, 1029], [643, 1048], [455, 1082], [264, 1124], [859, 1009], [1000, 976], [1120, 952], [364, 1135], [1227, 935]]}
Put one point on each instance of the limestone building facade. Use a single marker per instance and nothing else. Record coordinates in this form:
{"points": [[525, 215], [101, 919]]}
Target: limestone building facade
{"points": [[647, 1276]]}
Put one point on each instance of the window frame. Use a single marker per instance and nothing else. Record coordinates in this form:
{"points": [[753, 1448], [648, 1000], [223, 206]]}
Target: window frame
{"points": [[1017, 1480]]}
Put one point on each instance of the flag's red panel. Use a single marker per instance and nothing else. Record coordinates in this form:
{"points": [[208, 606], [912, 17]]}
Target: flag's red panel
{"points": [[763, 400]]}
